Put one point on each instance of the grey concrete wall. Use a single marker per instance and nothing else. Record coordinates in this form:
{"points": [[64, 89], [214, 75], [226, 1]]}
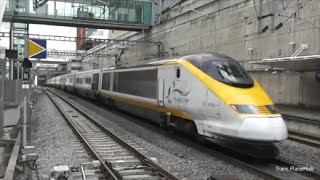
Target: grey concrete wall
{"points": [[291, 88], [283, 87], [233, 29], [309, 90]]}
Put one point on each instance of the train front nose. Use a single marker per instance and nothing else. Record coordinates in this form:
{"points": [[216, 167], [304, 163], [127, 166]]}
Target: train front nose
{"points": [[264, 128]]}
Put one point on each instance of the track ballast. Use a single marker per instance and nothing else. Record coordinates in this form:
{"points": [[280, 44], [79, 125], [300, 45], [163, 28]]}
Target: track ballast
{"points": [[120, 159]]}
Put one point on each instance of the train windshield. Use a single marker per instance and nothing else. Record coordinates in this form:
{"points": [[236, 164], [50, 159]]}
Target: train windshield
{"points": [[228, 72]]}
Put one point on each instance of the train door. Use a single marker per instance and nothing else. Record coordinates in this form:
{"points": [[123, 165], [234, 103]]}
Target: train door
{"points": [[95, 82], [213, 106], [167, 76], [181, 88], [161, 91]]}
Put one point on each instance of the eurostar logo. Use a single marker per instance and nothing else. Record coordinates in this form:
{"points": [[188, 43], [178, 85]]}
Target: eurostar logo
{"points": [[37, 48]]}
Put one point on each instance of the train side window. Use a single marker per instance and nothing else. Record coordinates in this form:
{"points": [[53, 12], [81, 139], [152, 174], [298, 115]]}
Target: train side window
{"points": [[178, 73], [87, 80], [106, 81]]}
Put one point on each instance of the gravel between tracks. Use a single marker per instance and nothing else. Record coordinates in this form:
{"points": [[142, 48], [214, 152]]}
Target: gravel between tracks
{"points": [[299, 154], [183, 160], [51, 137]]}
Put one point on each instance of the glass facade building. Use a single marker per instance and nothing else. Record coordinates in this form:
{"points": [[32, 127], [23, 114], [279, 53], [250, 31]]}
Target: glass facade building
{"points": [[112, 11]]}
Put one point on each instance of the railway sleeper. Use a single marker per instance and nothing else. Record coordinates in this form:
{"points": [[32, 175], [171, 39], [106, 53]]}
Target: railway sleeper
{"points": [[102, 136], [136, 172], [125, 163], [113, 154], [119, 158], [128, 168], [108, 148], [141, 177], [100, 141], [115, 151], [104, 144]]}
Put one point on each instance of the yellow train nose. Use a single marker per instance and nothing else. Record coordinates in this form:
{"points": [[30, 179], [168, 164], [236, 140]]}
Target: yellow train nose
{"points": [[257, 99]]}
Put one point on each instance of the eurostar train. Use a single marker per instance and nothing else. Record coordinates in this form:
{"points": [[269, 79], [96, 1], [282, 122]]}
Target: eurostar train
{"points": [[206, 94]]}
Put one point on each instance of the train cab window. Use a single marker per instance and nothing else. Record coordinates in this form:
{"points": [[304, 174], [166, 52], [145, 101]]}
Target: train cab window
{"points": [[226, 71], [178, 73]]}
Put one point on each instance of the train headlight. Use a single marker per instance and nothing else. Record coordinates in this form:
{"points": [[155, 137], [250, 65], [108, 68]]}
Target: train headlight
{"points": [[272, 109], [245, 109]]}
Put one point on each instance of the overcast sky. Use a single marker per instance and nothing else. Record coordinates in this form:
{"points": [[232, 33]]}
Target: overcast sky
{"points": [[48, 30], [45, 30], [58, 31]]}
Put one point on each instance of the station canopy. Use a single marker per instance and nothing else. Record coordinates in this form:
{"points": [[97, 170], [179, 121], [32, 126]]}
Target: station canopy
{"points": [[297, 63]]}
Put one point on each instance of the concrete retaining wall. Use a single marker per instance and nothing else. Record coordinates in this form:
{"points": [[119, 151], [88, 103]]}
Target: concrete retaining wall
{"points": [[233, 29], [291, 88]]}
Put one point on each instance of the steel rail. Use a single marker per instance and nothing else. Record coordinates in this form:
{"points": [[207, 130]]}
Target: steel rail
{"points": [[137, 154], [113, 174], [307, 139], [304, 139], [300, 118]]}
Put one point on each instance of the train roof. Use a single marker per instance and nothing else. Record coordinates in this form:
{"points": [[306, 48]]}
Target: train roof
{"points": [[194, 58], [155, 63], [207, 57]]}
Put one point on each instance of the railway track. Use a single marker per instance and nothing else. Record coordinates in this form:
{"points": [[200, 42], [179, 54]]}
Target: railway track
{"points": [[264, 168], [119, 158], [270, 169], [304, 139], [301, 137]]}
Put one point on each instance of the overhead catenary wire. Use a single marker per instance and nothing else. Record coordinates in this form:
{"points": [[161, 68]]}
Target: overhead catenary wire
{"points": [[293, 14], [280, 15], [255, 8]]}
